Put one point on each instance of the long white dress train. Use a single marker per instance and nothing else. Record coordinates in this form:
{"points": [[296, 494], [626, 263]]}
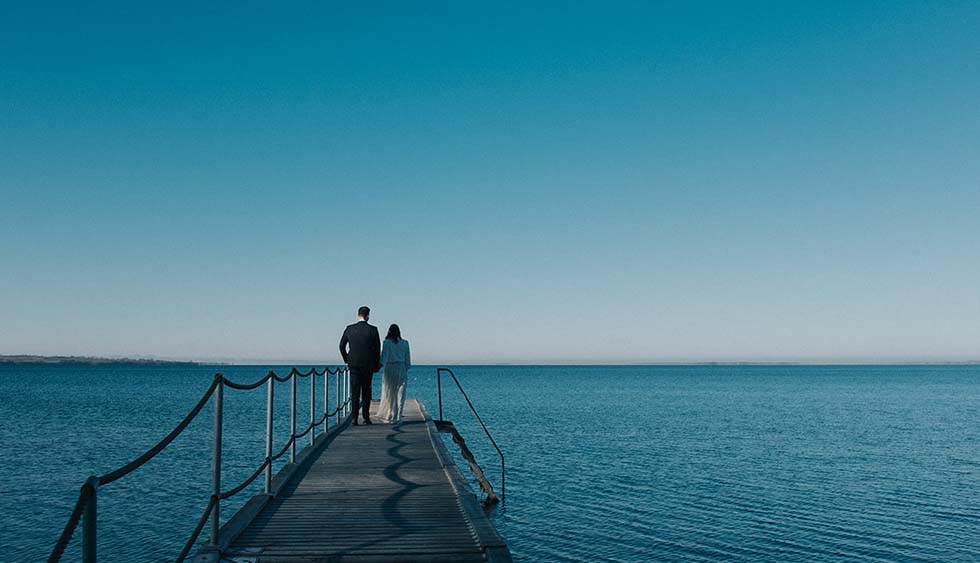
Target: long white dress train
{"points": [[396, 359]]}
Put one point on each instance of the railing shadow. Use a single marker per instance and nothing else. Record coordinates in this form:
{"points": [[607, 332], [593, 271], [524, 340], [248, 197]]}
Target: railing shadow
{"points": [[393, 506]]}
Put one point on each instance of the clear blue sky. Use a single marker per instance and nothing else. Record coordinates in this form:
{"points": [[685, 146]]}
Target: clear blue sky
{"points": [[511, 182]]}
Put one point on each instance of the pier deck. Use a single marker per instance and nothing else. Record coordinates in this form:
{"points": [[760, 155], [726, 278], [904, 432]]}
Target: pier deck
{"points": [[373, 494]]}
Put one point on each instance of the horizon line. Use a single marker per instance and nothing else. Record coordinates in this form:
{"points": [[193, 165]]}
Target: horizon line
{"points": [[529, 362], [624, 364]]}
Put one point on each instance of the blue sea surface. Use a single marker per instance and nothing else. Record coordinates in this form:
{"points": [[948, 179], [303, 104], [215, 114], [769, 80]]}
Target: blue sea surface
{"points": [[627, 464]]}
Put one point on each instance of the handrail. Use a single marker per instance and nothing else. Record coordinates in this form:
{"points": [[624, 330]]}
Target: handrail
{"points": [[85, 509], [152, 452], [503, 480]]}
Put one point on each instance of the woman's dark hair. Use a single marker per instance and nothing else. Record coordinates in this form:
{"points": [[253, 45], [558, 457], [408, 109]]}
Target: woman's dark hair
{"points": [[394, 333]]}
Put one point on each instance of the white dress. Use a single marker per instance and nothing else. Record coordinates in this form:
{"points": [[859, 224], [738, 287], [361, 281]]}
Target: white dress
{"points": [[396, 359]]}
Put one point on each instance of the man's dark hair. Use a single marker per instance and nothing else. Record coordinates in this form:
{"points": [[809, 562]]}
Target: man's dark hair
{"points": [[364, 311]]}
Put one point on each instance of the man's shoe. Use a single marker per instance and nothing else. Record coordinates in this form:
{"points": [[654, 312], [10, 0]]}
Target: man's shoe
{"points": [[355, 422], [368, 421]]}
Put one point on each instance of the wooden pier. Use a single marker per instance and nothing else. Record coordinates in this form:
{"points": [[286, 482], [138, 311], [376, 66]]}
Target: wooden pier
{"points": [[366, 494]]}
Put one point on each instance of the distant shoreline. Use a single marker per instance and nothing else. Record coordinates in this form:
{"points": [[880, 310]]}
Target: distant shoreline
{"points": [[89, 360]]}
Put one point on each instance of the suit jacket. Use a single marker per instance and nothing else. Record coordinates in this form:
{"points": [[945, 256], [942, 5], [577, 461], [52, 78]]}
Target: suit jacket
{"points": [[365, 347]]}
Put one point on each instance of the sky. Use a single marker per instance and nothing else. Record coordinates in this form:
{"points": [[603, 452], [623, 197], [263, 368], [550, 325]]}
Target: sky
{"points": [[510, 182]]}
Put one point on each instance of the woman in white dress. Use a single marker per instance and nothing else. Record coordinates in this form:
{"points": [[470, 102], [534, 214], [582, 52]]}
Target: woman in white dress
{"points": [[396, 359]]}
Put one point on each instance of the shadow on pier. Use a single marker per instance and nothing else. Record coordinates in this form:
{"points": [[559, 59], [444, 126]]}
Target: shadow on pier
{"points": [[374, 494]]}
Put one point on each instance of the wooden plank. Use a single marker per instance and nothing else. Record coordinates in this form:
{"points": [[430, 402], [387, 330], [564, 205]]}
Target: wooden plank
{"points": [[495, 548], [245, 515], [377, 494]]}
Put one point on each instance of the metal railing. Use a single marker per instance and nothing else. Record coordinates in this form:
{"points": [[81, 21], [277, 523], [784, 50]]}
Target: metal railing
{"points": [[503, 473], [86, 506]]}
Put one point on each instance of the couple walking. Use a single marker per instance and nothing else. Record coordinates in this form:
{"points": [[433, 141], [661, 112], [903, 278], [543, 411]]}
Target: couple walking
{"points": [[362, 351]]}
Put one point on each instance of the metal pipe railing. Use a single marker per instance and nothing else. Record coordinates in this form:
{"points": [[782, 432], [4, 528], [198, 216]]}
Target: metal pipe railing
{"points": [[292, 420], [90, 522], [86, 506], [503, 469], [270, 397], [216, 463], [312, 406]]}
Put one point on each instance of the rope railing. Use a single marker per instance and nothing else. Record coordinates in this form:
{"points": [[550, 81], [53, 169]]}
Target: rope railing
{"points": [[85, 509], [88, 490], [237, 489], [254, 385], [152, 452], [189, 544], [248, 481]]}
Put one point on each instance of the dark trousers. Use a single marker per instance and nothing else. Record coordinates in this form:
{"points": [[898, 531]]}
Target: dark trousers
{"points": [[360, 391]]}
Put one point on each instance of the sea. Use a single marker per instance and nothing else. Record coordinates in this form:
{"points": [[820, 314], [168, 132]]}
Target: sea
{"points": [[741, 463]]}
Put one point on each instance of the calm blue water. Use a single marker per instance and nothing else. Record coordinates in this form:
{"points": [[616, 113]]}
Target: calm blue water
{"points": [[632, 464]]}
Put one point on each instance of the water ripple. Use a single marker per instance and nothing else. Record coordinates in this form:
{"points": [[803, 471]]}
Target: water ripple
{"points": [[625, 464]]}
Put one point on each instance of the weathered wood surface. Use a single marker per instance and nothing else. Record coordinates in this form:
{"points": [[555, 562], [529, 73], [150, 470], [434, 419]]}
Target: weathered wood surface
{"points": [[448, 427], [375, 494]]}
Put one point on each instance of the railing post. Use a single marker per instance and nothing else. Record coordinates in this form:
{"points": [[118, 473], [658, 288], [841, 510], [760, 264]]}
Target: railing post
{"points": [[326, 396], [216, 459], [439, 385], [340, 393], [312, 405], [349, 385], [269, 401], [292, 418], [90, 521]]}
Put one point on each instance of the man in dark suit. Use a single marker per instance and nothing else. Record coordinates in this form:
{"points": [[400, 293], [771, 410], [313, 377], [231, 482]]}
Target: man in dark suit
{"points": [[363, 359]]}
